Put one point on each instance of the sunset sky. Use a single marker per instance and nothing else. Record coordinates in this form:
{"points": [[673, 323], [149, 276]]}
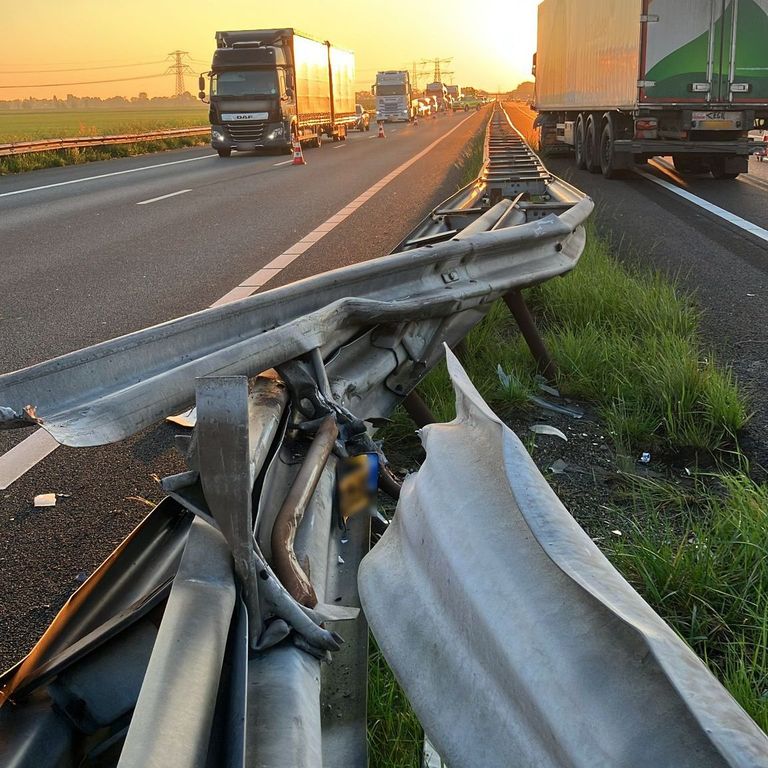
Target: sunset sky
{"points": [[491, 43]]}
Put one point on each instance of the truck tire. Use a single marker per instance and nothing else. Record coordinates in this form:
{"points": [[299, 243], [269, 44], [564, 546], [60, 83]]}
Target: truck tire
{"points": [[579, 141], [607, 153], [689, 164], [717, 169], [224, 152], [591, 150]]}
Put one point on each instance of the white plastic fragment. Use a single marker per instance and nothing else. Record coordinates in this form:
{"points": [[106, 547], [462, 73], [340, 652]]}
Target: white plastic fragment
{"points": [[45, 500], [645, 458], [546, 429], [186, 419]]}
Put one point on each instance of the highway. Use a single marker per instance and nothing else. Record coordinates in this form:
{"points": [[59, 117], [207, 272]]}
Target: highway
{"points": [[94, 251], [724, 262]]}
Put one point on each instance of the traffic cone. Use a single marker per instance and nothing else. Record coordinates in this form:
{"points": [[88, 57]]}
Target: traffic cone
{"points": [[381, 131], [298, 155]]}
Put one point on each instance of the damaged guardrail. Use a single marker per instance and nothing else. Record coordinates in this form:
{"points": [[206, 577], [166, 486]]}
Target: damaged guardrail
{"points": [[200, 640]]}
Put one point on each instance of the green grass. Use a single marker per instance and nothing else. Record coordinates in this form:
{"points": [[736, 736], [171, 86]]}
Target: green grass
{"points": [[700, 558], [29, 125], [628, 340], [23, 125]]}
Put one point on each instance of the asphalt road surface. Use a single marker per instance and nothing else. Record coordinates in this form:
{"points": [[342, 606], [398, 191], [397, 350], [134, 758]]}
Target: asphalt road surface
{"points": [[724, 262], [94, 251]]}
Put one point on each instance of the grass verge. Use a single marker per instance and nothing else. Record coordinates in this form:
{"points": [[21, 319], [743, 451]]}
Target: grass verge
{"points": [[37, 160]]}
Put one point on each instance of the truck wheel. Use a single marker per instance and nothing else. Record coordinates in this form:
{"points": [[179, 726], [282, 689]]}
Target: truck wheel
{"points": [[224, 152], [581, 162], [688, 164], [717, 169], [591, 156], [607, 153]]}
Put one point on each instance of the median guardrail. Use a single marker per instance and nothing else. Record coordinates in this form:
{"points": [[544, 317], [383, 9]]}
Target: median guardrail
{"points": [[79, 142]]}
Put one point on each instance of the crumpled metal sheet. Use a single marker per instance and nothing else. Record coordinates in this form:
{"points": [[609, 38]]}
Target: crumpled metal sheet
{"points": [[515, 639]]}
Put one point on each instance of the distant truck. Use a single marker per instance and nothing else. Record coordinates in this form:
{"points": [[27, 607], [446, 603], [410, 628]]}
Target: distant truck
{"points": [[394, 96], [438, 92], [621, 81], [269, 86], [454, 94]]}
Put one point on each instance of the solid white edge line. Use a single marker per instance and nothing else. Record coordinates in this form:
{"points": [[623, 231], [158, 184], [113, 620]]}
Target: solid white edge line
{"points": [[163, 197], [40, 443], [104, 176], [24, 455], [715, 210]]}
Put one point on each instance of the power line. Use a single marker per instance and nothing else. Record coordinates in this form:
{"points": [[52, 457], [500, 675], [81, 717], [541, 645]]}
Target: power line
{"points": [[79, 69], [85, 82]]}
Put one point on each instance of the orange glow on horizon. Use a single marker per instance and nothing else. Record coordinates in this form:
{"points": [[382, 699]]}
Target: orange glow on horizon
{"points": [[67, 42]]}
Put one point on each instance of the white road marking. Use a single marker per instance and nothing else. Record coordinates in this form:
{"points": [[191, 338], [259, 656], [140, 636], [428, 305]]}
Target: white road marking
{"points": [[340, 146], [715, 210], [33, 449], [23, 456], [283, 162], [104, 176], [163, 197]]}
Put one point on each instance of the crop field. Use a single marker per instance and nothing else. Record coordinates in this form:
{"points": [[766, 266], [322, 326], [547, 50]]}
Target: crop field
{"points": [[24, 125]]}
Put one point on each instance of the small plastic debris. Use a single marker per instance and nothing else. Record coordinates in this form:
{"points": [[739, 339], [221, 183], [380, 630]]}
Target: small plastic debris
{"points": [[645, 458], [341, 560], [559, 467], [81, 577], [186, 419], [616, 532], [541, 382], [546, 429], [45, 500], [504, 378], [344, 540]]}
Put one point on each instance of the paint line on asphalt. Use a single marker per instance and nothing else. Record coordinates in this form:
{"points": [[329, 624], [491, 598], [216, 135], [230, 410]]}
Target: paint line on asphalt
{"points": [[279, 263], [23, 456], [104, 175], [33, 449], [715, 210], [340, 146], [163, 197], [282, 162]]}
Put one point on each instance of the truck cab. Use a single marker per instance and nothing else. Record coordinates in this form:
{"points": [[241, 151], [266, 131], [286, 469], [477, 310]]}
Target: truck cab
{"points": [[393, 96]]}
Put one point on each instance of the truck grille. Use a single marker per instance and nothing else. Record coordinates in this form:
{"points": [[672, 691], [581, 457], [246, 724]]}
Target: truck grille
{"points": [[246, 131]]}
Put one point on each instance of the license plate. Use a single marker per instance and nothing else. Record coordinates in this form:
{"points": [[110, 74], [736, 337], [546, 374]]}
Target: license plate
{"points": [[235, 116], [714, 121]]}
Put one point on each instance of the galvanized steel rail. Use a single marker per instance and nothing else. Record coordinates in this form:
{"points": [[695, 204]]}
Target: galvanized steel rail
{"points": [[78, 142]]}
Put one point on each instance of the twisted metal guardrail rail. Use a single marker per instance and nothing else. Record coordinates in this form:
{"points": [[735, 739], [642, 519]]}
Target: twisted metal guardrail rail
{"points": [[201, 639], [78, 142]]}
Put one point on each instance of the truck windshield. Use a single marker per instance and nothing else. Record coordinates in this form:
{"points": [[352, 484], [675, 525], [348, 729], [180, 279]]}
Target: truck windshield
{"points": [[257, 82], [390, 90]]}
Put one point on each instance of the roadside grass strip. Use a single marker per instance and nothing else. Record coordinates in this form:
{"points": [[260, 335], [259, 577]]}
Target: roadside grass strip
{"points": [[77, 156]]}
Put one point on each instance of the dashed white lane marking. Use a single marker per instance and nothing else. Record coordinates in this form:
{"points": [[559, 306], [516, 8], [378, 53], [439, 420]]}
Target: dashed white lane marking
{"points": [[163, 197], [105, 175], [715, 210], [283, 162], [268, 271], [33, 449]]}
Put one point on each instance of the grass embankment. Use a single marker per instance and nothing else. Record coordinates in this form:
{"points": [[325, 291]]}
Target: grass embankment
{"points": [[32, 126], [628, 341]]}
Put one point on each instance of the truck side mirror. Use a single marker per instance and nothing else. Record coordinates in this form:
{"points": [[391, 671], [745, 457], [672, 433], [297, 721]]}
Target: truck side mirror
{"points": [[201, 95], [373, 90], [533, 66], [201, 85]]}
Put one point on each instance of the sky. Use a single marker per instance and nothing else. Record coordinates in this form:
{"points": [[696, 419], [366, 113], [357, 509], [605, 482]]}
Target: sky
{"points": [[490, 43]]}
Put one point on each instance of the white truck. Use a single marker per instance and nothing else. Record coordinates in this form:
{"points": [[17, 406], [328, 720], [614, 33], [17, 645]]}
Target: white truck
{"points": [[621, 81], [394, 96]]}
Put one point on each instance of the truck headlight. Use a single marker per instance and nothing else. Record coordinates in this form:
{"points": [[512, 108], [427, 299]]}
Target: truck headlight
{"points": [[218, 136], [276, 134]]}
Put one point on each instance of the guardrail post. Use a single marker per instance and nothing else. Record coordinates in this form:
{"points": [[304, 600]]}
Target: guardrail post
{"points": [[525, 322]]}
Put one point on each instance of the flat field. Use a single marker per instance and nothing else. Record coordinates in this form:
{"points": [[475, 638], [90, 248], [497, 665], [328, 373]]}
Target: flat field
{"points": [[30, 125]]}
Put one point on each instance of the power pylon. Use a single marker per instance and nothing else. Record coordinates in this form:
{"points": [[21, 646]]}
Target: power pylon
{"points": [[439, 72], [179, 68], [418, 72]]}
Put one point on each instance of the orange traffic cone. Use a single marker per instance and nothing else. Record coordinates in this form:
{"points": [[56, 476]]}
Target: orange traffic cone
{"points": [[381, 131], [298, 155]]}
